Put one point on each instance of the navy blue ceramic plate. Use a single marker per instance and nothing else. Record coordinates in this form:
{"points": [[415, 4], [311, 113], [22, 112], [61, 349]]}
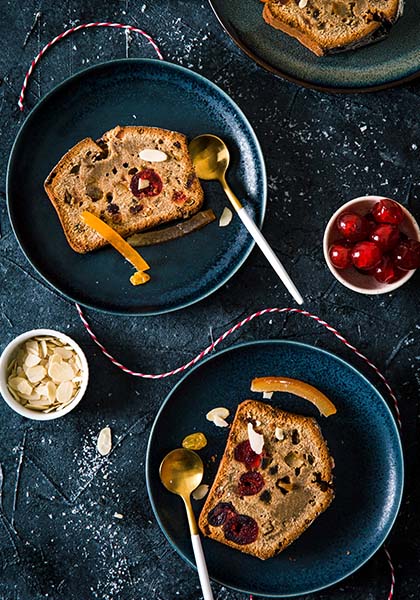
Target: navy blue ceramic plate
{"points": [[387, 63], [130, 92], [363, 440]]}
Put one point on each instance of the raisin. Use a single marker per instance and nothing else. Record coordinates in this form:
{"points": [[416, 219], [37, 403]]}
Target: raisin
{"points": [[177, 144], [190, 180], [266, 497], [274, 470], [179, 198], [114, 170], [266, 461], [94, 192], [132, 171], [112, 208], [136, 209], [125, 165], [250, 483], [241, 530], [220, 514], [295, 437], [244, 453], [74, 170], [153, 189], [109, 197]]}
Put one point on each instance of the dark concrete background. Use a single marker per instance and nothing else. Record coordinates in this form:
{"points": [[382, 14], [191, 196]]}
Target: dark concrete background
{"points": [[58, 536]]}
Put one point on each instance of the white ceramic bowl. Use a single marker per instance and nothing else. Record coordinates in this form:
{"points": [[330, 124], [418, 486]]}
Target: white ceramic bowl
{"points": [[9, 353], [351, 278]]}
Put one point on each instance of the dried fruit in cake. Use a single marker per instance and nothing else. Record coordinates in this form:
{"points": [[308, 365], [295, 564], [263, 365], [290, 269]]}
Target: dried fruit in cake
{"points": [[328, 26], [118, 181], [291, 484]]}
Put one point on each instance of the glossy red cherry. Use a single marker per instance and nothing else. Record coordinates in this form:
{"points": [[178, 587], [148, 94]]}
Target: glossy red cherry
{"points": [[241, 530], [353, 227], [406, 255], [220, 514], [340, 256], [366, 255], [250, 483], [149, 177], [386, 271], [386, 236], [244, 453], [388, 211]]}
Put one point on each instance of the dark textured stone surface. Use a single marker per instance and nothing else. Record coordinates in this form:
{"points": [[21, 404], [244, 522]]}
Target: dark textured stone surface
{"points": [[58, 535]]}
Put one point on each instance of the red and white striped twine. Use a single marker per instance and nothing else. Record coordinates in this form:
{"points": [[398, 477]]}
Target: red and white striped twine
{"points": [[224, 335], [259, 313], [67, 32]]}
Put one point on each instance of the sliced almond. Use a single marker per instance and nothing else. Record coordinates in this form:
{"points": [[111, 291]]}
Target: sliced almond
{"points": [[143, 184], [200, 492], [32, 347], [219, 422], [152, 155], [51, 391], [36, 374], [15, 381], [32, 360], [279, 434], [220, 412], [28, 397], [267, 395], [55, 358], [64, 353], [40, 402], [64, 391], [225, 217], [60, 371], [44, 349], [256, 440], [104, 443]]}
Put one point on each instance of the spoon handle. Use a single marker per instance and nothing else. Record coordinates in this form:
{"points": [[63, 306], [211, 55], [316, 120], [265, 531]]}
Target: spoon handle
{"points": [[269, 254], [201, 567]]}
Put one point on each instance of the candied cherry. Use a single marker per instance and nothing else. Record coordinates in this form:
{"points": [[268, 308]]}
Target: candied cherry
{"points": [[153, 188], [220, 514], [244, 453], [353, 227], [340, 255], [386, 271], [386, 236], [366, 255], [388, 211], [406, 255], [250, 483], [241, 530]]}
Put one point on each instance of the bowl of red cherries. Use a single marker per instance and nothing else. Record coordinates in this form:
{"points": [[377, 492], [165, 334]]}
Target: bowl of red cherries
{"points": [[372, 245]]}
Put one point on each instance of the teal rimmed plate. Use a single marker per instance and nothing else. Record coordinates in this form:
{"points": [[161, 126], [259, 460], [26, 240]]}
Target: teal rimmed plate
{"points": [[384, 64], [133, 92], [362, 437]]}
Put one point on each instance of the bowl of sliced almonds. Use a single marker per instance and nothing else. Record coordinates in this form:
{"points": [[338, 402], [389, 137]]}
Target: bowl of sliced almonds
{"points": [[43, 374]]}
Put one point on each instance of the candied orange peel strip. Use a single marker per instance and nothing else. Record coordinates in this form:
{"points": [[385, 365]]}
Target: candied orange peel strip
{"points": [[120, 245], [296, 387]]}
